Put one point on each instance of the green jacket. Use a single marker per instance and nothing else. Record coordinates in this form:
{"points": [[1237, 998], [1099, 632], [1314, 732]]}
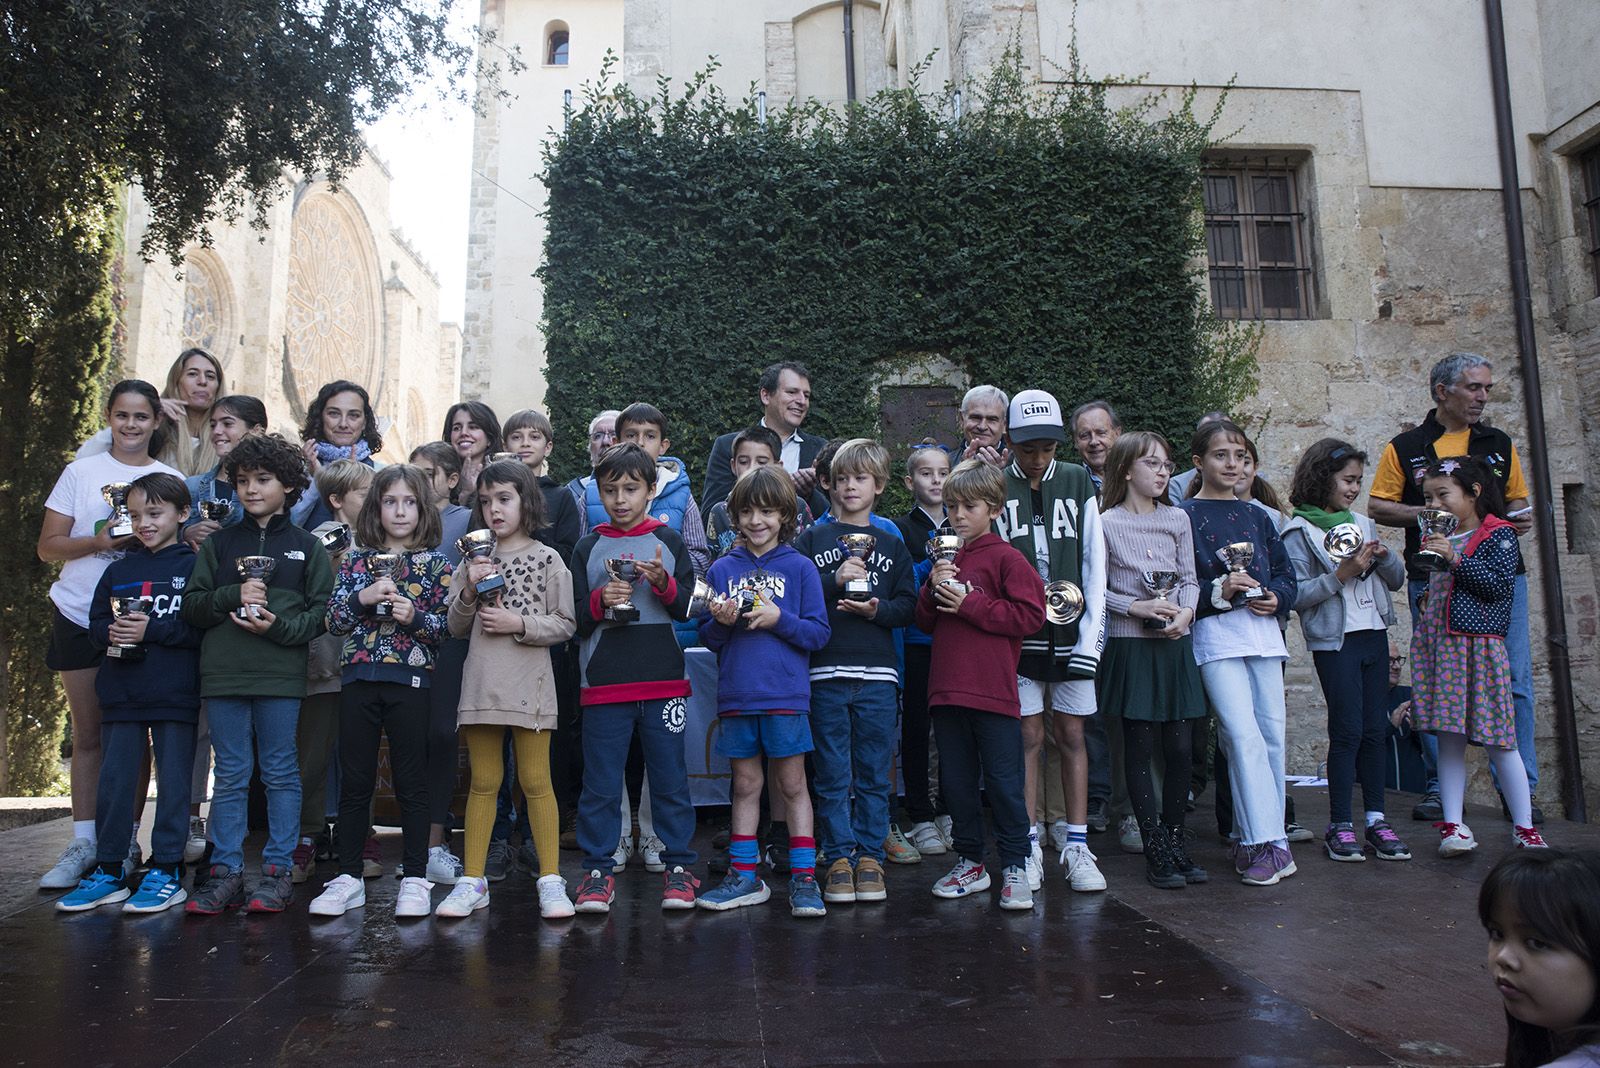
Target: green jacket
{"points": [[233, 661]]}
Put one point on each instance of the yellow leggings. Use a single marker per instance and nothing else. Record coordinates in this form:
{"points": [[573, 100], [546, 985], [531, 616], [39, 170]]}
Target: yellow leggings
{"points": [[532, 750]]}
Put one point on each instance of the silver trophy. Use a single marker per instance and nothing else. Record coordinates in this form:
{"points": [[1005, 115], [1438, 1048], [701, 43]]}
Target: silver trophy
{"points": [[500, 456], [859, 546], [122, 608], [1236, 558], [259, 568], [1432, 521], [1160, 583], [216, 509], [623, 571], [383, 566], [1063, 602], [479, 545], [942, 548], [119, 524], [746, 595], [336, 539], [1344, 541]]}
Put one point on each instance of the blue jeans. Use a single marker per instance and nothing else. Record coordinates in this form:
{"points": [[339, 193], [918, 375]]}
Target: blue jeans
{"points": [[607, 734], [1519, 649], [271, 722], [853, 726], [1247, 692]]}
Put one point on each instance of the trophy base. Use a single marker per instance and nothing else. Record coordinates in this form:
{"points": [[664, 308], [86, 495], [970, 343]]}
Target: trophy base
{"points": [[490, 588], [383, 610], [853, 592], [623, 614], [120, 530], [1255, 594], [126, 653], [1428, 561], [1156, 624], [248, 612]]}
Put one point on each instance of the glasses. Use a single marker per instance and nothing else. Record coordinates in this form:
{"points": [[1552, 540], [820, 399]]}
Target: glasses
{"points": [[603, 435], [1396, 661], [1165, 467]]}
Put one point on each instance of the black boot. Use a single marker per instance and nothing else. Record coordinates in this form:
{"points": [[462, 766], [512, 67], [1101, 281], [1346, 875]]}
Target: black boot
{"points": [[1178, 849], [1158, 866]]}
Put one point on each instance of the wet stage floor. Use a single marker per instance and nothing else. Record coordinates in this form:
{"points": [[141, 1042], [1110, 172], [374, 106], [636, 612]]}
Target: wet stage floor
{"points": [[1341, 964]]}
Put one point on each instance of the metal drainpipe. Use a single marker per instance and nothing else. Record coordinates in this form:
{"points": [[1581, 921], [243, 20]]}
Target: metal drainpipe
{"points": [[1533, 398], [849, 53]]}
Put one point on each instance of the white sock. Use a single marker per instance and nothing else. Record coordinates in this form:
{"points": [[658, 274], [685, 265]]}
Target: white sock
{"points": [[84, 829], [1373, 817], [1513, 784]]}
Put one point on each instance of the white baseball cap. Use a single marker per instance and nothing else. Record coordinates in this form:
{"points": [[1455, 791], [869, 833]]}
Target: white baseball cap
{"points": [[1035, 416]]}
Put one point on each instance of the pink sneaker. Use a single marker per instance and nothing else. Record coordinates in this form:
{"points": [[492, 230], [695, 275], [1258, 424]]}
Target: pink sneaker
{"points": [[678, 889]]}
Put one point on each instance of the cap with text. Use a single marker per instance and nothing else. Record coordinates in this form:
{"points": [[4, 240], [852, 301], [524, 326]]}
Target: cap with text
{"points": [[1035, 416]]}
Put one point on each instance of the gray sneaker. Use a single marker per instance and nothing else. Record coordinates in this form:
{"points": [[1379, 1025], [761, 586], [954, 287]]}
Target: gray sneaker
{"points": [[1129, 836], [1014, 891], [275, 890], [498, 862], [528, 858], [76, 861], [223, 889]]}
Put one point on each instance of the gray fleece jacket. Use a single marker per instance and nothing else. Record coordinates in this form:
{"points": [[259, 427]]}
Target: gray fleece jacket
{"points": [[1317, 601]]}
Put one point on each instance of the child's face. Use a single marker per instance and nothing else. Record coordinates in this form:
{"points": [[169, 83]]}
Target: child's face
{"points": [[760, 528], [1247, 477], [155, 523], [502, 509], [1034, 457], [1148, 475], [1222, 464], [970, 519], [226, 431], [260, 493], [467, 437], [853, 492], [625, 499], [749, 456], [1346, 486], [647, 436], [440, 481], [530, 445], [132, 421], [1445, 493], [1541, 984], [399, 511], [346, 508], [926, 480]]}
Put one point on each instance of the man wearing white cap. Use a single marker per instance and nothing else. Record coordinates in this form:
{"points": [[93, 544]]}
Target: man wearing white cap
{"points": [[1052, 518]]}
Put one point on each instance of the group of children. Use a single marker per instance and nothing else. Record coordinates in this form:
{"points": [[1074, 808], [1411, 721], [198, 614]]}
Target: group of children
{"points": [[390, 618]]}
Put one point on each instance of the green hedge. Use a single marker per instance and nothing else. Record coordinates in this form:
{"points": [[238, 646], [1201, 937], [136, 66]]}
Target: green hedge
{"points": [[1043, 240]]}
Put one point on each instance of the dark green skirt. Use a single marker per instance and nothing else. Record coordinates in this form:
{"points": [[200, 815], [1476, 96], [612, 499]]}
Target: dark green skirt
{"points": [[1152, 679]]}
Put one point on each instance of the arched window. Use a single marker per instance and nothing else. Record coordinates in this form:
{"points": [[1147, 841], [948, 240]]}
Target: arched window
{"points": [[555, 54]]}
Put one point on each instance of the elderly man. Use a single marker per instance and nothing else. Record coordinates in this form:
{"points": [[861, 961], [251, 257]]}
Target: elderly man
{"points": [[983, 427], [1460, 385], [1095, 428], [785, 392], [602, 435]]}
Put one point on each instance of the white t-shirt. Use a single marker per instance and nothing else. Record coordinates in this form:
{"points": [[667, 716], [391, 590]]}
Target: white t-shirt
{"points": [[77, 494]]}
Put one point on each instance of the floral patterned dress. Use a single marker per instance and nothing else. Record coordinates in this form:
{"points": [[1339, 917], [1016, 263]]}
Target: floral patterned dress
{"points": [[1460, 683]]}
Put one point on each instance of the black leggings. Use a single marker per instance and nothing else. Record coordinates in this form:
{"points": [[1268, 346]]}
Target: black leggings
{"points": [[1139, 741]]}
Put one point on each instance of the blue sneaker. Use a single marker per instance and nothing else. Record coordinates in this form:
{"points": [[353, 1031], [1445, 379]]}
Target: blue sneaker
{"points": [[160, 890], [97, 888], [805, 897], [737, 889]]}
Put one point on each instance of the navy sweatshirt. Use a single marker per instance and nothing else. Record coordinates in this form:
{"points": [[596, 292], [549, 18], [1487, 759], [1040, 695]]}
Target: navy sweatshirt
{"points": [[1219, 523], [861, 648], [767, 670], [165, 685]]}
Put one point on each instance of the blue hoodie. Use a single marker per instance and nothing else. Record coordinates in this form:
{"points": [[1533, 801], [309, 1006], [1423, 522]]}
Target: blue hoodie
{"points": [[165, 683], [768, 670]]}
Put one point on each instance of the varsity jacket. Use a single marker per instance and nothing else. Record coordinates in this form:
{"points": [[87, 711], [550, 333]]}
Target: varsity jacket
{"points": [[638, 661], [165, 684], [1414, 450], [1482, 581], [861, 648], [767, 670], [1068, 546], [383, 650]]}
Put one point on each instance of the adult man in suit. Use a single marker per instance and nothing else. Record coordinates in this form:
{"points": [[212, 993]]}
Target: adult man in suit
{"points": [[785, 390]]}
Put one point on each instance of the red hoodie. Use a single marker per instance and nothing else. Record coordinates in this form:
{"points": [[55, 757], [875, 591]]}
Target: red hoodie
{"points": [[975, 651]]}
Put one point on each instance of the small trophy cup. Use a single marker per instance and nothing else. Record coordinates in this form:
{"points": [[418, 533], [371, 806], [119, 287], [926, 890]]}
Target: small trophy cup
{"points": [[1433, 521], [1236, 558], [254, 567], [120, 523], [623, 571], [704, 599], [383, 566], [942, 548], [1063, 602], [336, 539], [216, 510], [1160, 583], [1344, 541], [497, 457], [123, 607], [479, 545], [859, 546]]}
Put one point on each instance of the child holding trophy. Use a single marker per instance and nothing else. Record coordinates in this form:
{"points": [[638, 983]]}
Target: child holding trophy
{"points": [[1148, 679], [389, 605], [516, 603], [85, 528], [767, 618], [149, 687], [259, 590], [1460, 673]]}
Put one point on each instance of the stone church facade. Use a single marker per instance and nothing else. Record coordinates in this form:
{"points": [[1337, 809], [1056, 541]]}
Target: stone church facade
{"points": [[329, 290]]}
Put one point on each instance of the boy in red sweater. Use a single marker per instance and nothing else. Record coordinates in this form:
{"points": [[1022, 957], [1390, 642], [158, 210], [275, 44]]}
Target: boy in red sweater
{"points": [[978, 609]]}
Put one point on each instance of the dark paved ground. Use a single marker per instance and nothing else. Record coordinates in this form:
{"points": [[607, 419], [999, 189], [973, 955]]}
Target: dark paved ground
{"points": [[1340, 965]]}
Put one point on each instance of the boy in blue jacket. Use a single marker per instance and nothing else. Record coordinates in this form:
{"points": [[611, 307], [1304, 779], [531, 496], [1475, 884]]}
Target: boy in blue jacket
{"points": [[148, 684], [764, 684]]}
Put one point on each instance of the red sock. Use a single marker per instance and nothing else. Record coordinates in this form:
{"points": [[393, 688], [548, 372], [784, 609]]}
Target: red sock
{"points": [[743, 853]]}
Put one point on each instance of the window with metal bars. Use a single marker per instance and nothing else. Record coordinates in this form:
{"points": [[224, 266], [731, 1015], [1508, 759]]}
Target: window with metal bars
{"points": [[1589, 163], [1257, 254]]}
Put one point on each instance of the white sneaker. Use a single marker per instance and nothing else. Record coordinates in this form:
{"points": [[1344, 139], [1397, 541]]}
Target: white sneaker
{"points": [[1058, 835], [946, 827], [343, 893], [1034, 868], [1015, 891], [1129, 836], [650, 849], [619, 859], [553, 901], [75, 862], [1455, 839], [414, 900], [1080, 867], [195, 847], [928, 840], [444, 867], [465, 898], [965, 878]]}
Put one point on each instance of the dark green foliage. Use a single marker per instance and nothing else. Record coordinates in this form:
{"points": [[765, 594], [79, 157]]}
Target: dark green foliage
{"points": [[1044, 240]]}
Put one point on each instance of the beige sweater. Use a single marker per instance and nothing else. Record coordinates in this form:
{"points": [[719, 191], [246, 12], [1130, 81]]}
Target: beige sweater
{"points": [[509, 680]]}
